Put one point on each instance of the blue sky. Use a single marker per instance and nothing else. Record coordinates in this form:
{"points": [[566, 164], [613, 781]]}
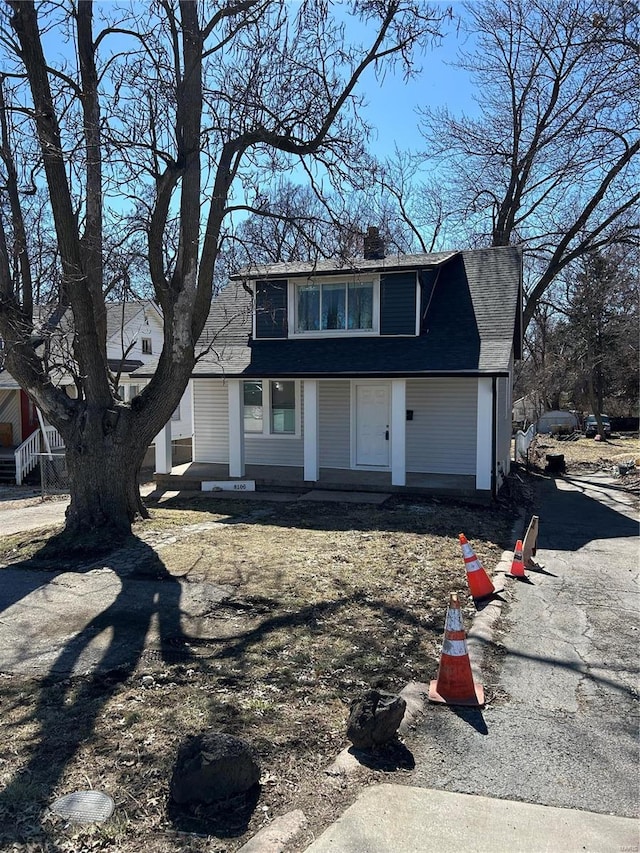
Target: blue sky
{"points": [[392, 102]]}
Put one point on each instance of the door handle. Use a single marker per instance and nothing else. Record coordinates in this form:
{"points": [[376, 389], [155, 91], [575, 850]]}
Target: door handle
{"points": [[386, 434]]}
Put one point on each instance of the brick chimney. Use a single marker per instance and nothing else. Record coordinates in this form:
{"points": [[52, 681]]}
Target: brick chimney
{"points": [[373, 244]]}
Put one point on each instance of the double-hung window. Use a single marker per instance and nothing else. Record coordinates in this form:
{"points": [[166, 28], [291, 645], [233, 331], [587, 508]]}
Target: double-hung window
{"points": [[270, 407], [334, 306]]}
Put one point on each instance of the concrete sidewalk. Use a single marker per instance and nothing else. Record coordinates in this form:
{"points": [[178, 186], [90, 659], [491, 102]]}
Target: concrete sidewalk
{"points": [[398, 819]]}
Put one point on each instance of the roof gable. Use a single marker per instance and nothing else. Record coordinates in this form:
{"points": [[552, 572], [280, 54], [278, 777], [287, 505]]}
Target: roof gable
{"points": [[121, 315]]}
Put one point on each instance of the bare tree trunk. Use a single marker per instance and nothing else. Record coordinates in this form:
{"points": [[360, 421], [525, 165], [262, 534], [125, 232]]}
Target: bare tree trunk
{"points": [[104, 461]]}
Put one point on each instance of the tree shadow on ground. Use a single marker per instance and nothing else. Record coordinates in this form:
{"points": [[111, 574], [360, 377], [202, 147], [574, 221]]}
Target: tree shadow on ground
{"points": [[74, 704], [570, 518], [415, 513]]}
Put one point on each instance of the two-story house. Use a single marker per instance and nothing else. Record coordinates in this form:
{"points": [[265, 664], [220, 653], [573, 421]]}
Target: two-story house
{"points": [[388, 373]]}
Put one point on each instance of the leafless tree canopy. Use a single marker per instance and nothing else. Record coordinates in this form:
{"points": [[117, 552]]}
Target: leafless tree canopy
{"points": [[550, 160], [583, 349], [130, 133]]}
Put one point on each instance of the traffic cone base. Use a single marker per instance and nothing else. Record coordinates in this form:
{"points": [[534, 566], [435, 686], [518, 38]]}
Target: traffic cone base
{"points": [[454, 684], [480, 585], [517, 565], [472, 702]]}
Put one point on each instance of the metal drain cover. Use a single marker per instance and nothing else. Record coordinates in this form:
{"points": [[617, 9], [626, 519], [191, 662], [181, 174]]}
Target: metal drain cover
{"points": [[84, 807]]}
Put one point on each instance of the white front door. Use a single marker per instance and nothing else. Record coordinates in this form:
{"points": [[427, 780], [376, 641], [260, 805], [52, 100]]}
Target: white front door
{"points": [[372, 425]]}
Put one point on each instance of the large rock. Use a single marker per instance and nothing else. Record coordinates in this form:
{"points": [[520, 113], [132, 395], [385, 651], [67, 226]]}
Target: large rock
{"points": [[213, 766], [375, 718]]}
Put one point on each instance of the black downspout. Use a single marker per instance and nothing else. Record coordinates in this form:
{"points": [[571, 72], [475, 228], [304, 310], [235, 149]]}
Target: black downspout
{"points": [[494, 436]]}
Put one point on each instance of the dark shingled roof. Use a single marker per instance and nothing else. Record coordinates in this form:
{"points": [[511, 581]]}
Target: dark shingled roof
{"points": [[472, 322]]}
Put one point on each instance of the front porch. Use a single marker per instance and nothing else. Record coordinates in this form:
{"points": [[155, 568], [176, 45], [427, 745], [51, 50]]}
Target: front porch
{"points": [[190, 476]]}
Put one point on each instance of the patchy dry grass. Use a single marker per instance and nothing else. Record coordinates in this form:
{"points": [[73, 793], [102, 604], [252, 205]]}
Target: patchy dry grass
{"points": [[586, 455], [322, 601], [590, 454]]}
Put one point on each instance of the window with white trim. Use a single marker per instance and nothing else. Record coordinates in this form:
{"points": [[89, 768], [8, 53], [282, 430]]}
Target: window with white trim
{"points": [[270, 407], [147, 347], [335, 306]]}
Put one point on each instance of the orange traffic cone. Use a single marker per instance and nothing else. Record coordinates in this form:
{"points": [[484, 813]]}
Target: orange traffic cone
{"points": [[454, 684], [517, 565], [480, 585]]}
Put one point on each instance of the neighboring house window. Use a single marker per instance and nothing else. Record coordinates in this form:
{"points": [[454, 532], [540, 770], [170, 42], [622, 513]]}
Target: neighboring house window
{"points": [[133, 391], [270, 408], [334, 306], [146, 346]]}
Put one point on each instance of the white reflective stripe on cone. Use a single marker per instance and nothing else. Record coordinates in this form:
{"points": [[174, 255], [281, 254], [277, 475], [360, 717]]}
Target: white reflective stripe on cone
{"points": [[454, 620], [454, 648]]}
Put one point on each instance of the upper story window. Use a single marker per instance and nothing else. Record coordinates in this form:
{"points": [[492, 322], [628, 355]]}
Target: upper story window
{"points": [[335, 306], [147, 348]]}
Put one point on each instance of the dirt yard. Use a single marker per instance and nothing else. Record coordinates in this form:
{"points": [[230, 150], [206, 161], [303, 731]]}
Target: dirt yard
{"points": [[321, 601], [620, 452]]}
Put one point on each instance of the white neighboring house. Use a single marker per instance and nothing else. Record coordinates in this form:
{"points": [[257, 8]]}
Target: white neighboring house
{"points": [[134, 338]]}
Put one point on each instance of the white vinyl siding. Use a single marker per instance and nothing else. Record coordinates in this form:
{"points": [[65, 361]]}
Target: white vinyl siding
{"points": [[441, 438], [145, 326], [270, 450], [10, 413], [211, 444], [211, 419], [335, 424]]}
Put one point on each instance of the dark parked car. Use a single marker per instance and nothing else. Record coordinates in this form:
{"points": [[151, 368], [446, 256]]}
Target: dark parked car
{"points": [[591, 427]]}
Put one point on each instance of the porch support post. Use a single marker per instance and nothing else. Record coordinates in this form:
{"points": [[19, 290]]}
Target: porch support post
{"points": [[236, 428], [311, 430], [398, 432], [484, 433], [163, 450]]}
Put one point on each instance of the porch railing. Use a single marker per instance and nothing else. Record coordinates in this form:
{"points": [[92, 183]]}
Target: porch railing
{"points": [[27, 454]]}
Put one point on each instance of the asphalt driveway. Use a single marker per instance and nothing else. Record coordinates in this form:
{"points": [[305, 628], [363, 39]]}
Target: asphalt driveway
{"points": [[561, 724]]}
